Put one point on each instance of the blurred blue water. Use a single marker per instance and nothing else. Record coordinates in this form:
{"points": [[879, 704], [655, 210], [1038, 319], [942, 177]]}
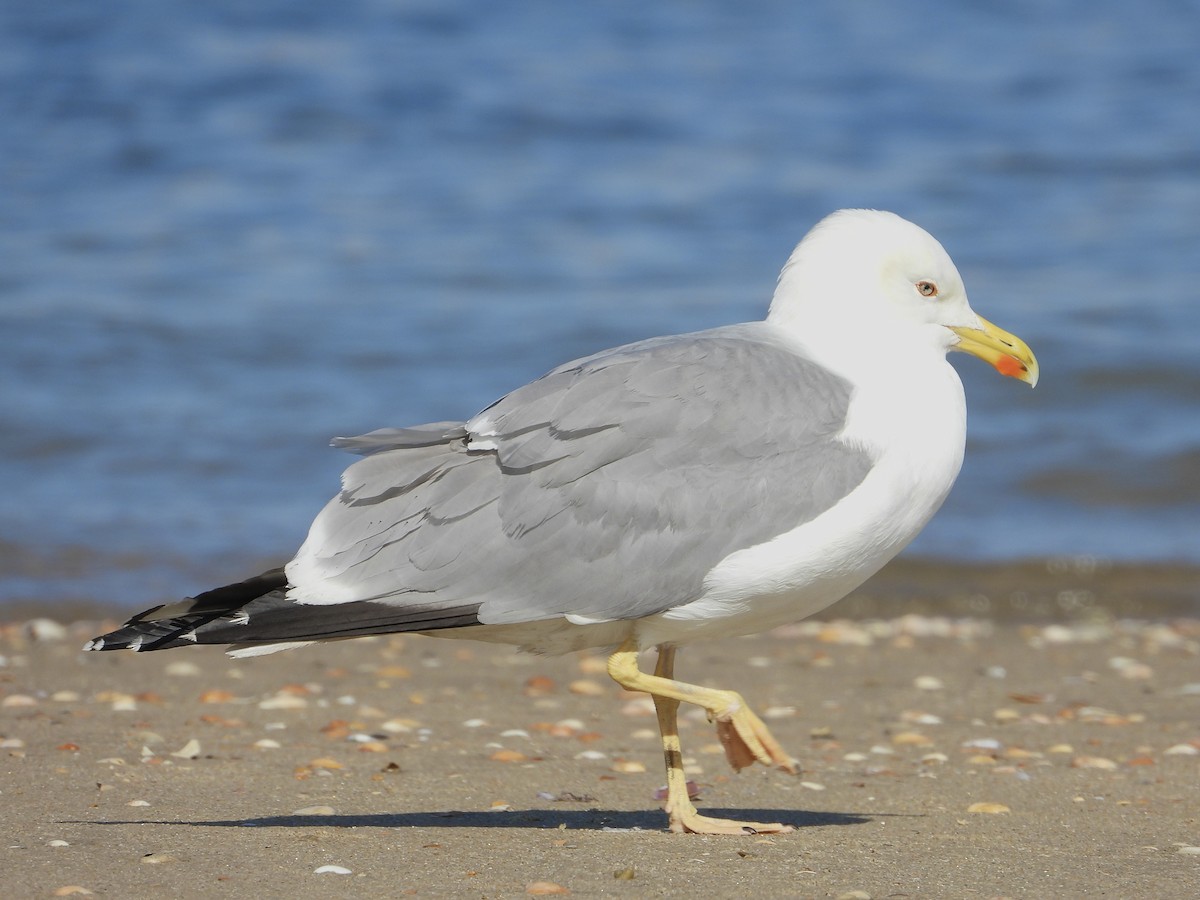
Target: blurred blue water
{"points": [[229, 231]]}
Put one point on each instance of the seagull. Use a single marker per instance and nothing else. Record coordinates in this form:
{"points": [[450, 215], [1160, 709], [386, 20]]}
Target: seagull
{"points": [[681, 488]]}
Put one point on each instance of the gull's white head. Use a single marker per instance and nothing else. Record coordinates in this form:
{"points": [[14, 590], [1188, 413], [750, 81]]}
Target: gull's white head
{"points": [[873, 283]]}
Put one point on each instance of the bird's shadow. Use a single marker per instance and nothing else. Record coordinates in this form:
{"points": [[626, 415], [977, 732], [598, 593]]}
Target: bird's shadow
{"points": [[570, 819]]}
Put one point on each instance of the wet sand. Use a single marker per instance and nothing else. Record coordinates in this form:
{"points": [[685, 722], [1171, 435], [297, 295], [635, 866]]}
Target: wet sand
{"points": [[941, 757]]}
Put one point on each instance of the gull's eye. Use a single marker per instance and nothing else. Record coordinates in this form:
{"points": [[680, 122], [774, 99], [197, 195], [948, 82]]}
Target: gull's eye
{"points": [[927, 288]]}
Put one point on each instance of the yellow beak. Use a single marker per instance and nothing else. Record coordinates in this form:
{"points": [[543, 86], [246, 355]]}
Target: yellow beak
{"points": [[1009, 354]]}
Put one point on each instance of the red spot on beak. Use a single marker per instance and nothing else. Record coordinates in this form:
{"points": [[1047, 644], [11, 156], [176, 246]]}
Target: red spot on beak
{"points": [[1013, 368]]}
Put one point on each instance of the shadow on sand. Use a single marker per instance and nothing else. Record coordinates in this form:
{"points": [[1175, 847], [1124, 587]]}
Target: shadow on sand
{"points": [[573, 819]]}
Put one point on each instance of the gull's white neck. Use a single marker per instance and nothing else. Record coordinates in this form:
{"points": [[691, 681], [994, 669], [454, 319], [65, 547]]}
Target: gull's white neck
{"points": [[907, 408], [907, 399]]}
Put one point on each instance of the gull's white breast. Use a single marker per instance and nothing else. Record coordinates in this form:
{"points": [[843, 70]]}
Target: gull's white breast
{"points": [[915, 428]]}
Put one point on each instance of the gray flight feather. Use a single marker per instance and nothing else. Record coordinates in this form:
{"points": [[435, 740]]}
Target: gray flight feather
{"points": [[607, 489]]}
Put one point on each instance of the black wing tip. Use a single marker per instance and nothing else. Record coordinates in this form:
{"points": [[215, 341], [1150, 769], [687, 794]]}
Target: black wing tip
{"points": [[176, 624], [274, 619], [141, 637]]}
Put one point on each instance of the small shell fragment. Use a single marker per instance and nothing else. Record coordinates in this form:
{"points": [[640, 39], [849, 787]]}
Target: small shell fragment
{"points": [[283, 700], [628, 766], [912, 739], [988, 808], [190, 750], [539, 686], [1092, 762], [1182, 750], [540, 888], [585, 687], [508, 756]]}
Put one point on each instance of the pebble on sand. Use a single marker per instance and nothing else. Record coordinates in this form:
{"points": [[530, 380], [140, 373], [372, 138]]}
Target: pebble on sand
{"points": [[331, 870]]}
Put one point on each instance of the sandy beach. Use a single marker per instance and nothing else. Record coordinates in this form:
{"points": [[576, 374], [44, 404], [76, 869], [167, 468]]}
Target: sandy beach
{"points": [[941, 757]]}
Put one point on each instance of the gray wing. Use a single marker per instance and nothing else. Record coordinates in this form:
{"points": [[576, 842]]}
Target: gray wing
{"points": [[606, 489]]}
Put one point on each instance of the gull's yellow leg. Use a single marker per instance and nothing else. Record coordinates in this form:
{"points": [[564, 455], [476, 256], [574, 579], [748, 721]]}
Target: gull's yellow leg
{"points": [[726, 708], [745, 738]]}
